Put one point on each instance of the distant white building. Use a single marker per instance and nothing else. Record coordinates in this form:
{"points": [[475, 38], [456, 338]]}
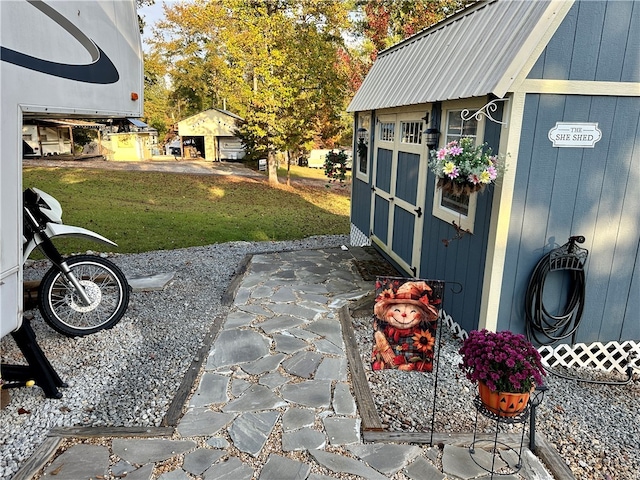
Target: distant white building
{"points": [[211, 134]]}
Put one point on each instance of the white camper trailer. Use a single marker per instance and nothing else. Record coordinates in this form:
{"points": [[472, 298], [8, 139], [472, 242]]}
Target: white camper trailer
{"points": [[58, 59]]}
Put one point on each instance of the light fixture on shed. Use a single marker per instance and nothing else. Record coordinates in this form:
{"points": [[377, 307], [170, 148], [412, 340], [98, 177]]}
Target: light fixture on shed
{"points": [[363, 135], [431, 134]]}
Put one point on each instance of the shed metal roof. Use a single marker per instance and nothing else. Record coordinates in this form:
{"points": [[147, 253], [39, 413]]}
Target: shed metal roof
{"points": [[477, 51]]}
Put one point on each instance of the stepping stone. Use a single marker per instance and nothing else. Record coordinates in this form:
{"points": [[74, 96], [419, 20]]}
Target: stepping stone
{"points": [[239, 319], [422, 469], [329, 329], [303, 439], [197, 462], [268, 363], [237, 346], [325, 346], [317, 476], [198, 422], [80, 461], [149, 283], [312, 393], [283, 295], [288, 343], [262, 292], [256, 398], [250, 431], [279, 323], [142, 473], [387, 458], [343, 401], [302, 364], [141, 451], [122, 468], [218, 442], [212, 389], [457, 462], [239, 386], [295, 418], [273, 380], [177, 474], [342, 431], [232, 469], [281, 468], [342, 464], [293, 310]]}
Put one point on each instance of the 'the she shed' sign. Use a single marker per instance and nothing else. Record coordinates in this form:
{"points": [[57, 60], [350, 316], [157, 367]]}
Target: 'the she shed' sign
{"points": [[576, 135]]}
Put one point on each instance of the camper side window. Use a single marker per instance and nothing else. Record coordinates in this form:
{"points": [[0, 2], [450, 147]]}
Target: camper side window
{"points": [[446, 205]]}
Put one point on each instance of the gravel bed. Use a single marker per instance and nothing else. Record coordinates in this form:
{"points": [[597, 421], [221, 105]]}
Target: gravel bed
{"points": [[129, 375], [594, 428]]}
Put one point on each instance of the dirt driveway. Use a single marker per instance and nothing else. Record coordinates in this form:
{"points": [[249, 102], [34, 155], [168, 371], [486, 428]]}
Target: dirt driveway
{"points": [[170, 164], [162, 164]]}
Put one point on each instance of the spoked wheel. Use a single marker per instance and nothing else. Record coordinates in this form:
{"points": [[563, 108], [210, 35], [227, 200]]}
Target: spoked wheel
{"points": [[106, 290]]}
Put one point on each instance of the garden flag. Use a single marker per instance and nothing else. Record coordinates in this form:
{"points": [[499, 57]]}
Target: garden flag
{"points": [[404, 323]]}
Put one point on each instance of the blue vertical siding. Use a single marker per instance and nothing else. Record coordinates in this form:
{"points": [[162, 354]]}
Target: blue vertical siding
{"points": [[361, 204], [597, 41], [561, 192]]}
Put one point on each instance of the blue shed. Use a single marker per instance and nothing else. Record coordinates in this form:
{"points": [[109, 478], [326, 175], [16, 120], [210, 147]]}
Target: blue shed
{"points": [[554, 86]]}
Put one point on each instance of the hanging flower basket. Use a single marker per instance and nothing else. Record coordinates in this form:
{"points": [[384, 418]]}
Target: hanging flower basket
{"points": [[462, 167], [459, 188]]}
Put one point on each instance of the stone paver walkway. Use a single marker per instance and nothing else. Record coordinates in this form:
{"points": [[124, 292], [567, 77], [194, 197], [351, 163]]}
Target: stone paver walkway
{"points": [[274, 400]]}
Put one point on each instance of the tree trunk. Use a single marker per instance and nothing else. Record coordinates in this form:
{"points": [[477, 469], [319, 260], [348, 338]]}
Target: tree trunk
{"points": [[288, 168], [273, 169]]}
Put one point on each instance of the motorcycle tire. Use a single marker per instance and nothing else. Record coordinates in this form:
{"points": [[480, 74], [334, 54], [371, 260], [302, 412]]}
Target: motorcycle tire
{"points": [[104, 283]]}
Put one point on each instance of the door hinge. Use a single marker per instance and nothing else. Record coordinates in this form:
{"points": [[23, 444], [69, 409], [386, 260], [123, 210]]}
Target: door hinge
{"points": [[418, 211], [414, 271]]}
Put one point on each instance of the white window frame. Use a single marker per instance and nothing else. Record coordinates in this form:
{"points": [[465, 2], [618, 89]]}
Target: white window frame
{"points": [[364, 121], [466, 222]]}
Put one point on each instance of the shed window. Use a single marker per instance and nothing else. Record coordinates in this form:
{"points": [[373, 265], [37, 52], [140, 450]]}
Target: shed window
{"points": [[411, 132], [387, 131], [449, 207]]}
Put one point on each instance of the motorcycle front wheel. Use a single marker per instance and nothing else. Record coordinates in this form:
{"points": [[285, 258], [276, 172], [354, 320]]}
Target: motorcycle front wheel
{"points": [[104, 284]]}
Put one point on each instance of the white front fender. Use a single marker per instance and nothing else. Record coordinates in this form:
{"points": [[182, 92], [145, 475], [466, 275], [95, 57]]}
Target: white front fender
{"points": [[54, 230]]}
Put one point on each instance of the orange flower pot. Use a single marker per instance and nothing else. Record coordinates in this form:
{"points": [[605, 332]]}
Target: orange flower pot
{"points": [[503, 404]]}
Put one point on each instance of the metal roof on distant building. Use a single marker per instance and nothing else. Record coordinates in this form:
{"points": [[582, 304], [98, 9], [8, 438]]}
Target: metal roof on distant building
{"points": [[477, 51]]}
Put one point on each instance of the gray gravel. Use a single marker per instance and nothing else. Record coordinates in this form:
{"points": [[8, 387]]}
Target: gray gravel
{"points": [[129, 375], [595, 428]]}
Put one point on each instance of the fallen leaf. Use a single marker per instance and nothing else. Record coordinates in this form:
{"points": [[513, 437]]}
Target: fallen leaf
{"points": [[57, 470], [22, 411]]}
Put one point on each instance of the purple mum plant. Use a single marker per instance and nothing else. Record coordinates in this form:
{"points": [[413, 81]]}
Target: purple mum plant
{"points": [[505, 361]]}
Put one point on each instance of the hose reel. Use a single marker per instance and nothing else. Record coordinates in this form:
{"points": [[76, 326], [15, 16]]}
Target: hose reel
{"points": [[542, 326]]}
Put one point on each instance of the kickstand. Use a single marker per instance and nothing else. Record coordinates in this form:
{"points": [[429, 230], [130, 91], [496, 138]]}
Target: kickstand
{"points": [[38, 369]]}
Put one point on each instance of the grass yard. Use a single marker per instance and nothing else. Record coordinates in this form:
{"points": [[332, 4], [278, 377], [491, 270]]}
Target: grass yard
{"points": [[144, 211]]}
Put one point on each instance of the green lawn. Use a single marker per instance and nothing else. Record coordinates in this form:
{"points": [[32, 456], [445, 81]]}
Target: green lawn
{"points": [[144, 211]]}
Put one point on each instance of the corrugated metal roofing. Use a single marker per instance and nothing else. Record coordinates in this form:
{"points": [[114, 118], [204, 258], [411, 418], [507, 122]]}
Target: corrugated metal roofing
{"points": [[470, 54]]}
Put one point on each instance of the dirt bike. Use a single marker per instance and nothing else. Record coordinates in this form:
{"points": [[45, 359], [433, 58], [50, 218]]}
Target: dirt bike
{"points": [[80, 294]]}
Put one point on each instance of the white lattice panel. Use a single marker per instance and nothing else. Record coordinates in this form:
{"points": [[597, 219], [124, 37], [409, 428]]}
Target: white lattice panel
{"points": [[454, 328], [357, 238], [608, 357]]}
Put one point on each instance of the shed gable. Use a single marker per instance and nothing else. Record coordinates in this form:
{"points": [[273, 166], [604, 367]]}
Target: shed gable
{"points": [[608, 53]]}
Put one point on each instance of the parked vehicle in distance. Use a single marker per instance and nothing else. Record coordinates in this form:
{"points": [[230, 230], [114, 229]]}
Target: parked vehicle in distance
{"points": [[317, 157]]}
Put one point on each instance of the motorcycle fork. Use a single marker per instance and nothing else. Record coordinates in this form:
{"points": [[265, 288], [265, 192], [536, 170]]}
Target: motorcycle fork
{"points": [[51, 252]]}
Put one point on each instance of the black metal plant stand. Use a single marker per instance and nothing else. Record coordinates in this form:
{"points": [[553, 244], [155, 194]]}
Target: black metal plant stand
{"points": [[38, 369], [520, 418]]}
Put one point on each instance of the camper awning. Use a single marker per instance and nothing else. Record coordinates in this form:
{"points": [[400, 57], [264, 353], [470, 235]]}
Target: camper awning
{"points": [[137, 123], [475, 52], [69, 123]]}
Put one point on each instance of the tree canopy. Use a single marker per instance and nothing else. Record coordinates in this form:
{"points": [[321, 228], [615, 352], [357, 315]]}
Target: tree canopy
{"points": [[288, 67]]}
